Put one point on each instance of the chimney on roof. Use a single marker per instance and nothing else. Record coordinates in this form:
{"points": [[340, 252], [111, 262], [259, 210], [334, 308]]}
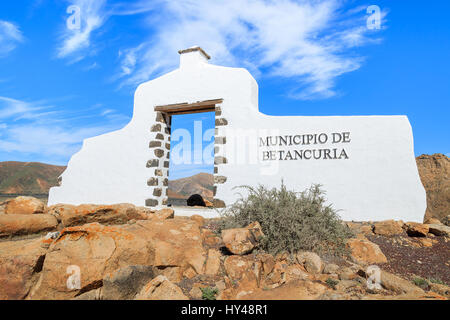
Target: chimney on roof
{"points": [[193, 57]]}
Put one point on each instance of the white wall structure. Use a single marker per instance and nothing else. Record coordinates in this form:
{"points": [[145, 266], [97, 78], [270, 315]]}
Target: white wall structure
{"points": [[366, 164]]}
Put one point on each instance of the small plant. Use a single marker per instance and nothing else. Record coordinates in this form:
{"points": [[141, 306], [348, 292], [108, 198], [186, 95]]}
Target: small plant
{"points": [[420, 282], [332, 283], [291, 221], [209, 293], [437, 281]]}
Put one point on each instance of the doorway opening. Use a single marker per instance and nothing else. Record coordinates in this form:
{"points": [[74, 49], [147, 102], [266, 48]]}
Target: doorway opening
{"points": [[186, 142]]}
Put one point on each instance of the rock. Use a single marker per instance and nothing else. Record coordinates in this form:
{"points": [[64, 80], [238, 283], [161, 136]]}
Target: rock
{"points": [[311, 262], [268, 263], [171, 246], [175, 242], [398, 285], [88, 213], [426, 242], [199, 219], [360, 228], [196, 200], [277, 276], [439, 230], [125, 282], [330, 268], [388, 228], [445, 221], [347, 285], [347, 274], [294, 290], [434, 172], [365, 252], [414, 229], [20, 263], [208, 203], [189, 273], [242, 240], [236, 266], [432, 221], [96, 294], [164, 214], [441, 289], [24, 205], [23, 224], [161, 288], [295, 272], [196, 292], [210, 238], [213, 262]]}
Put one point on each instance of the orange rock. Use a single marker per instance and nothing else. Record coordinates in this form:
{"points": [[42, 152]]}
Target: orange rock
{"points": [[388, 228], [166, 213], [268, 263], [199, 219], [24, 205], [294, 290], [236, 266], [161, 288], [208, 203], [88, 213], [172, 246], [242, 240], [15, 224], [414, 229], [19, 262], [213, 262], [210, 238], [296, 272], [311, 261], [426, 242], [365, 252]]}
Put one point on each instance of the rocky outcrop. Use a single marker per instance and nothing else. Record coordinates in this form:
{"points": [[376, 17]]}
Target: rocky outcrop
{"points": [[171, 257], [388, 228], [20, 262], [161, 288], [24, 205], [87, 213], [311, 261], [434, 172], [25, 224], [95, 251], [242, 240], [365, 252]]}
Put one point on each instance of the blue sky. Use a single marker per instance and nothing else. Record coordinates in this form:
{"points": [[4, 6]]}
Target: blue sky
{"points": [[60, 84]]}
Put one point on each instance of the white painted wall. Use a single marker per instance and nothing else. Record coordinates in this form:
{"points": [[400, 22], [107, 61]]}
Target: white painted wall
{"points": [[379, 181]]}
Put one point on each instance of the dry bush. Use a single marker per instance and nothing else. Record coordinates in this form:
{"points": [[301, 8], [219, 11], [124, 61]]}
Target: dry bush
{"points": [[291, 221]]}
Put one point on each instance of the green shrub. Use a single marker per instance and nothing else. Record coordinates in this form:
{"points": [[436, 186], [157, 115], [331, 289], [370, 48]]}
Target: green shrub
{"points": [[291, 221], [331, 283], [209, 293], [437, 281], [420, 282]]}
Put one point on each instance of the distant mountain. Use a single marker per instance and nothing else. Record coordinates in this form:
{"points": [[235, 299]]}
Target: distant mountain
{"points": [[201, 183], [28, 177]]}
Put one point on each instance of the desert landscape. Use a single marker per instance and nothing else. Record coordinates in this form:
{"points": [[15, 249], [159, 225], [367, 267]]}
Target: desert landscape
{"points": [[128, 252]]}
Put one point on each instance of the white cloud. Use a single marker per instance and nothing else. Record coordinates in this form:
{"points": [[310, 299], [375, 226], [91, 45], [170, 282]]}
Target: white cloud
{"points": [[10, 36], [307, 41], [92, 15], [47, 132]]}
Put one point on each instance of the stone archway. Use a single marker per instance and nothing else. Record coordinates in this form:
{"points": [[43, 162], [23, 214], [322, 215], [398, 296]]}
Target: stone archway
{"points": [[160, 145]]}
